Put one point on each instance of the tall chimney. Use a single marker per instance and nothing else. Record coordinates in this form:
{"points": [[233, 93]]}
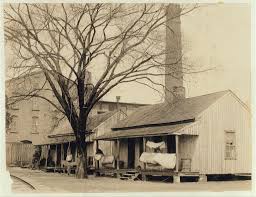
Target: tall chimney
{"points": [[173, 70]]}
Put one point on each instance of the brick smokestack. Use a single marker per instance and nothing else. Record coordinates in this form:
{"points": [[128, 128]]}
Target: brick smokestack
{"points": [[174, 89]]}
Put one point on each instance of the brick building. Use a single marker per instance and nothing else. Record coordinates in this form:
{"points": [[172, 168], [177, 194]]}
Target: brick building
{"points": [[34, 118]]}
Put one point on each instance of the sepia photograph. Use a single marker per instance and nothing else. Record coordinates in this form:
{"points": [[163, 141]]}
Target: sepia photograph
{"points": [[127, 97]]}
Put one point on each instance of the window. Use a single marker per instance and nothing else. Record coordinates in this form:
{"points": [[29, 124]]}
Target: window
{"points": [[35, 106], [35, 124], [15, 106], [14, 124], [230, 145]]}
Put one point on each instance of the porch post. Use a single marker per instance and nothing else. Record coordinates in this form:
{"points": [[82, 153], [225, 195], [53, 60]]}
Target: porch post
{"points": [[176, 177], [144, 177], [47, 148], [61, 154], [177, 152], [56, 154], [76, 154], [144, 150], [61, 151], [62, 158], [117, 156], [97, 163]]}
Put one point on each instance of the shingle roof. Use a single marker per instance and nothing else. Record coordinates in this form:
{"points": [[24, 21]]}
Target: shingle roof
{"points": [[64, 127], [44, 139], [63, 133], [165, 112]]}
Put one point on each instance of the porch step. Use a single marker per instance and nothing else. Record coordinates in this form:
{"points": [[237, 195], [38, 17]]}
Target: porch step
{"points": [[130, 175], [109, 174], [124, 178], [131, 172]]}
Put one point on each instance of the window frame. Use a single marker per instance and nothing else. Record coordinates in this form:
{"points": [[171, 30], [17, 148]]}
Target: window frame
{"points": [[35, 126], [13, 119], [35, 105], [15, 106], [232, 148]]}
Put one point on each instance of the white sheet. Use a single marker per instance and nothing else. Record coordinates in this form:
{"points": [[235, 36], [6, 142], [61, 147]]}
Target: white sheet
{"points": [[166, 160], [155, 145], [108, 159], [147, 158]]}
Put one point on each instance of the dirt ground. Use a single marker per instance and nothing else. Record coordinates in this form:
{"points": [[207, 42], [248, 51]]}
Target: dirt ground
{"points": [[55, 182]]}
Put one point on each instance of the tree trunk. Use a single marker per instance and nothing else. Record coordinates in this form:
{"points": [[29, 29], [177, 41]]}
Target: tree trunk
{"points": [[81, 171]]}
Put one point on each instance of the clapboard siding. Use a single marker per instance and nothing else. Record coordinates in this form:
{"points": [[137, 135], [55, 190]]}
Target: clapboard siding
{"points": [[105, 127], [192, 129], [225, 114], [17, 153]]}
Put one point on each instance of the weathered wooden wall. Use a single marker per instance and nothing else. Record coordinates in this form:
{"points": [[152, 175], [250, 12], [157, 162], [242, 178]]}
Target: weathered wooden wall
{"points": [[227, 113], [108, 147], [188, 149], [105, 127], [17, 153]]}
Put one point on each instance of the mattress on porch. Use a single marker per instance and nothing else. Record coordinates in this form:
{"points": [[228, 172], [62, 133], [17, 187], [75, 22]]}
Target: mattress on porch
{"points": [[108, 159], [165, 160]]}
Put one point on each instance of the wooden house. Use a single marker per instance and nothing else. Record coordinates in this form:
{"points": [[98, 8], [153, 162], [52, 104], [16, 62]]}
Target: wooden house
{"points": [[55, 145], [209, 134]]}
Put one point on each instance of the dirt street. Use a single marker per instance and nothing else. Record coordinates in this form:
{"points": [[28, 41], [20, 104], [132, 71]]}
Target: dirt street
{"points": [[55, 182]]}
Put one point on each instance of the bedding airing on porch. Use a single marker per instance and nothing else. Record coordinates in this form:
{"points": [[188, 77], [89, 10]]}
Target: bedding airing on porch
{"points": [[108, 160], [154, 145], [166, 160], [147, 158]]}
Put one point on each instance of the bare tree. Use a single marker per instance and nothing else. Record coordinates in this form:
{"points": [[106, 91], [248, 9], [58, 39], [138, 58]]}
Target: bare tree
{"points": [[66, 41], [8, 116]]}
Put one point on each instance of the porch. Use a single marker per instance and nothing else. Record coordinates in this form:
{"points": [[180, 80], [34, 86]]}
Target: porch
{"points": [[127, 152], [53, 157]]}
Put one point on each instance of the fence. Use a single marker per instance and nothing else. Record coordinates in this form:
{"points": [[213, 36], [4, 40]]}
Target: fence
{"points": [[19, 154]]}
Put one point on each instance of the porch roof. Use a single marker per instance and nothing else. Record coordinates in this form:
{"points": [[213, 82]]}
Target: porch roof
{"points": [[44, 139], [63, 133], [177, 129], [64, 127]]}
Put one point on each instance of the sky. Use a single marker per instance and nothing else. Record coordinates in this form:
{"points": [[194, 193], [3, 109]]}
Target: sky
{"points": [[215, 36]]}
